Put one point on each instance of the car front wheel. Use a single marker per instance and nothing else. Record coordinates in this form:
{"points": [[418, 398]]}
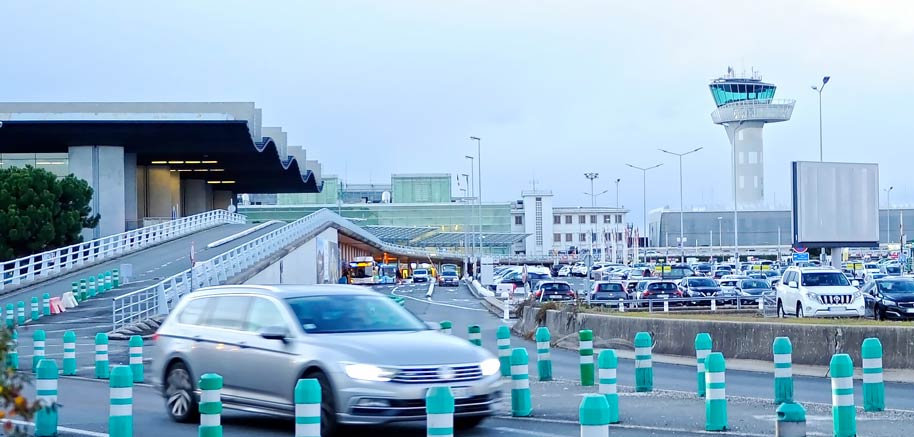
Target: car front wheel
{"points": [[180, 399], [781, 312]]}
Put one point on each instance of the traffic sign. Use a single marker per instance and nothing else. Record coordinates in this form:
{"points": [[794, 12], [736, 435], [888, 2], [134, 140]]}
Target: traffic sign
{"points": [[799, 249], [801, 256]]}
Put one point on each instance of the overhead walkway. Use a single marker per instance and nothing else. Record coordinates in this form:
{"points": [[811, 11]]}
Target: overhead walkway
{"points": [[149, 265]]}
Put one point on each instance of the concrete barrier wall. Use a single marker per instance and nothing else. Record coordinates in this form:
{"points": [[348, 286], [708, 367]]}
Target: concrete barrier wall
{"points": [[812, 344]]}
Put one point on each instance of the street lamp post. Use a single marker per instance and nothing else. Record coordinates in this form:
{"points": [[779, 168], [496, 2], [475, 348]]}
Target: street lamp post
{"points": [[681, 213], [644, 171], [479, 183], [617, 192], [818, 89], [472, 190], [466, 223], [888, 215], [720, 235]]}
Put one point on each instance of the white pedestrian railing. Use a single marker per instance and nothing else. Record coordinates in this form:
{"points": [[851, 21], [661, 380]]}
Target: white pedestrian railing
{"points": [[80, 255], [160, 298]]}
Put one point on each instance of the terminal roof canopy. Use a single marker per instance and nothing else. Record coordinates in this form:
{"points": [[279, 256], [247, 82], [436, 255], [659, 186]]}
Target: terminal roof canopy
{"points": [[211, 141]]}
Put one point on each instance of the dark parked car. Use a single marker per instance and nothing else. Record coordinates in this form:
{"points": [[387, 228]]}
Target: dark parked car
{"points": [[890, 298], [659, 289], [607, 293], [751, 290], [553, 290], [449, 278], [517, 279], [705, 269], [699, 287]]}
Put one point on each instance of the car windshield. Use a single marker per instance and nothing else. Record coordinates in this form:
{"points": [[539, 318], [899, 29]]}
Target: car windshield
{"points": [[448, 273], [702, 283], [611, 287], [754, 283], [420, 272], [893, 269], [896, 287], [824, 279], [728, 283], [352, 313], [555, 286], [661, 286]]}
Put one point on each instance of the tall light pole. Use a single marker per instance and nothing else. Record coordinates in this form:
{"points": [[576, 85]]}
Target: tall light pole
{"points": [[681, 213], [479, 184], [644, 171], [472, 192], [466, 225], [818, 89], [720, 235], [617, 192], [888, 215]]}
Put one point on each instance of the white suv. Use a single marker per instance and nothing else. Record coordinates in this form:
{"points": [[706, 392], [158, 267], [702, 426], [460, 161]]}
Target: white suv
{"points": [[818, 292]]}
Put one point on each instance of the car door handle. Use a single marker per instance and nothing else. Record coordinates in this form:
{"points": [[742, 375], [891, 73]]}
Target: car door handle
{"points": [[242, 344]]}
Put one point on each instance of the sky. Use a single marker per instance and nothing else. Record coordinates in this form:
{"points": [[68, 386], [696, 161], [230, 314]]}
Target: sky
{"points": [[555, 88]]}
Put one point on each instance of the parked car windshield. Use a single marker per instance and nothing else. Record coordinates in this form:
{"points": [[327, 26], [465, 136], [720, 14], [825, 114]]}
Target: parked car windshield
{"points": [[754, 283], [825, 279], [420, 272], [661, 286], [352, 313], [555, 286], [893, 269], [702, 282], [610, 287], [896, 286]]}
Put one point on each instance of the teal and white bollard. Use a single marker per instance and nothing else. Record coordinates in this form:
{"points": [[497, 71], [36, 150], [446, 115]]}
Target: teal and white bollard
{"points": [[791, 420], [92, 290], [844, 411], [136, 357], [109, 282], [101, 283], [439, 410], [101, 356], [38, 345], [873, 384], [446, 327], [69, 353], [715, 393], [543, 356], [20, 313], [644, 366], [36, 311], [594, 416], [503, 340], [210, 405], [13, 356], [46, 304], [120, 416], [46, 395], [608, 363], [115, 278], [783, 370], [10, 316], [521, 403], [474, 333], [703, 346], [307, 408], [585, 350]]}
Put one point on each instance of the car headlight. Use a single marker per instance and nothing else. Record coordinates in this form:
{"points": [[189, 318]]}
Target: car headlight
{"points": [[889, 302], [858, 295], [490, 366], [368, 372], [810, 295]]}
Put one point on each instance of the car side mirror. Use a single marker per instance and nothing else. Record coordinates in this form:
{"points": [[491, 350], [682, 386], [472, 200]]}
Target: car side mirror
{"points": [[275, 333], [792, 284]]}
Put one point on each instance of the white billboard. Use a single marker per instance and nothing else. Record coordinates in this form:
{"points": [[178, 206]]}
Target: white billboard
{"points": [[835, 204]]}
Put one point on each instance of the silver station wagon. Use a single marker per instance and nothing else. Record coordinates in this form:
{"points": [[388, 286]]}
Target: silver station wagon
{"points": [[374, 360]]}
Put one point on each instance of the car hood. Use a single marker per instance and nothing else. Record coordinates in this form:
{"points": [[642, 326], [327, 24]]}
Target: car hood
{"points": [[705, 289], [404, 348], [833, 289], [900, 297], [756, 290]]}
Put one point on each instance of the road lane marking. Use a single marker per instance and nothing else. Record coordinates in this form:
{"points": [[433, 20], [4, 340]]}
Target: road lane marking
{"points": [[64, 429], [522, 431], [637, 427], [429, 302]]}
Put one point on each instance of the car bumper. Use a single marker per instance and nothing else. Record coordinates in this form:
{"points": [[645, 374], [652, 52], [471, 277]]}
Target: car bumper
{"points": [[895, 313], [406, 402], [834, 311], [420, 279]]}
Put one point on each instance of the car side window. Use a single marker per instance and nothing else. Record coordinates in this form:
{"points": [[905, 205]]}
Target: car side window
{"points": [[263, 314], [193, 312], [228, 312]]}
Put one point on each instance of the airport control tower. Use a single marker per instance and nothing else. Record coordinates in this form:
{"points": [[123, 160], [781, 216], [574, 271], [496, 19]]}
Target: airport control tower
{"points": [[744, 105]]}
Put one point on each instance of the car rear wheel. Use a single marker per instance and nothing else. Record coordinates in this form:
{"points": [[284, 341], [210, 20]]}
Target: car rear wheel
{"points": [[781, 312], [878, 313], [799, 311], [180, 400], [329, 425]]}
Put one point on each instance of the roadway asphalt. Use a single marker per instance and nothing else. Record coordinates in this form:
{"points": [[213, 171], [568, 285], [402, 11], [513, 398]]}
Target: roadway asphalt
{"points": [[672, 410]]}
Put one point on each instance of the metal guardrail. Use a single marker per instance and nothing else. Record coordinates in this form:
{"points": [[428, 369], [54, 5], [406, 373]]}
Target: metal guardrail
{"points": [[723, 303], [62, 260], [160, 298]]}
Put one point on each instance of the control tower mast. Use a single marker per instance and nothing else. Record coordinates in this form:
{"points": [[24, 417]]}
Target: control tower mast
{"points": [[744, 105]]}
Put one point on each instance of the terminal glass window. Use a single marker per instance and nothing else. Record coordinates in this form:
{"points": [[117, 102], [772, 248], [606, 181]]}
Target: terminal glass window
{"points": [[568, 237], [557, 238], [607, 219], [568, 220], [593, 219], [582, 237], [582, 219], [57, 163], [518, 220], [618, 218], [729, 92], [556, 219]]}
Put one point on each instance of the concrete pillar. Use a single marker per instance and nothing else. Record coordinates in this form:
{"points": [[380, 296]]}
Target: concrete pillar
{"points": [[158, 191], [130, 192], [103, 168], [141, 194], [221, 199], [194, 196], [208, 193], [176, 193]]}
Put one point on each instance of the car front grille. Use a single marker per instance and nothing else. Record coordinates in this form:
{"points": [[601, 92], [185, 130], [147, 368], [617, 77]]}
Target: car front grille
{"points": [[436, 374], [835, 299], [906, 304], [416, 407]]}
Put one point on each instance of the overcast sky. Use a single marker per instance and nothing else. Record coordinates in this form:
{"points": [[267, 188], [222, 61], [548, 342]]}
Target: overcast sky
{"points": [[554, 88]]}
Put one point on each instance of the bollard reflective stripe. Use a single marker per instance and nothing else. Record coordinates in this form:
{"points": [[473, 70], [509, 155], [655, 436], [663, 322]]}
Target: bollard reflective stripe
{"points": [[115, 278], [101, 356], [13, 356], [10, 316], [120, 416], [521, 403], [844, 412], [38, 342], [474, 334], [703, 346], [543, 356], [307, 408], [210, 405], [594, 416], [585, 350], [69, 353], [46, 386], [644, 370], [136, 357], [439, 410], [46, 304], [503, 342], [35, 313], [608, 364], [20, 312], [446, 326], [715, 393], [782, 351]]}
